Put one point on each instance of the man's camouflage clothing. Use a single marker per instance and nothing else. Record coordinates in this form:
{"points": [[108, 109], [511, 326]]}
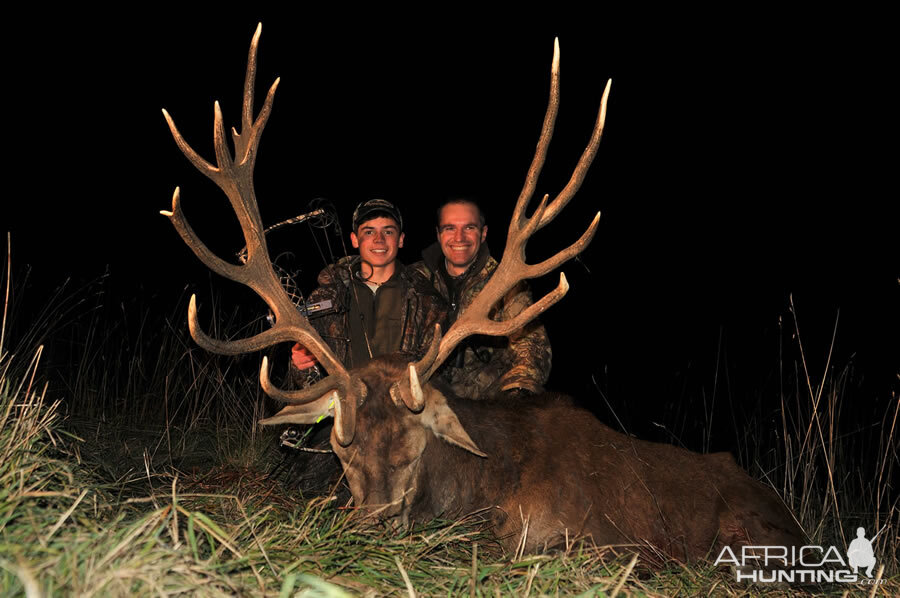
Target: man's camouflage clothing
{"points": [[483, 366], [399, 317]]}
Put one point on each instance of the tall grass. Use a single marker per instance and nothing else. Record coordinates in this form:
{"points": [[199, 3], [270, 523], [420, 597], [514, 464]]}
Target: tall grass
{"points": [[131, 380], [834, 464]]}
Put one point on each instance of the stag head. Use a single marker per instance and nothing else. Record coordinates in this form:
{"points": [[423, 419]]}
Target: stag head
{"points": [[419, 409]]}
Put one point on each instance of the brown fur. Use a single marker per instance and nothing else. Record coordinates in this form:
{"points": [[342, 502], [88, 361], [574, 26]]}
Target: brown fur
{"points": [[555, 466]]}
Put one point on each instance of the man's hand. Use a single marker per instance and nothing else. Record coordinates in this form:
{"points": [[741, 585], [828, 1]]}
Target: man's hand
{"points": [[301, 357]]}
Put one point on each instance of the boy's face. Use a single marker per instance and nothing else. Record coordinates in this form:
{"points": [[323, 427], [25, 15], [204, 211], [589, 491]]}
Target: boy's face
{"points": [[378, 241]]}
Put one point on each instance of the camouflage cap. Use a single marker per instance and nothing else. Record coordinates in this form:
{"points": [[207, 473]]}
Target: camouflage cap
{"points": [[363, 211]]}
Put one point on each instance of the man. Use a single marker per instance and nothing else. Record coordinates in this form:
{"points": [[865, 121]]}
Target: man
{"points": [[458, 266], [378, 305]]}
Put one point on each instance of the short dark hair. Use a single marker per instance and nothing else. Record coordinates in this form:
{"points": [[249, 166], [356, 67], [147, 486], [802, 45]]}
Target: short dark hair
{"points": [[482, 220]]}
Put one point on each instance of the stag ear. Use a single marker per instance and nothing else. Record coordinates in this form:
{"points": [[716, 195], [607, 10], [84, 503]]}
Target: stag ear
{"points": [[440, 419], [309, 413]]}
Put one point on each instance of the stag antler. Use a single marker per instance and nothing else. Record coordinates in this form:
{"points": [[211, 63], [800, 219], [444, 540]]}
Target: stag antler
{"points": [[234, 175], [513, 268]]}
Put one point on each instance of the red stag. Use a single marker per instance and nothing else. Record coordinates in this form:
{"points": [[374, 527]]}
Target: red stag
{"points": [[545, 469]]}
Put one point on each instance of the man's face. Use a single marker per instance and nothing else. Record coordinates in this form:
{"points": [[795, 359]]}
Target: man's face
{"points": [[378, 241], [460, 234]]}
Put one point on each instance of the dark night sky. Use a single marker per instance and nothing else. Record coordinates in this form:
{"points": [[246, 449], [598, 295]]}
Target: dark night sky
{"points": [[745, 158]]}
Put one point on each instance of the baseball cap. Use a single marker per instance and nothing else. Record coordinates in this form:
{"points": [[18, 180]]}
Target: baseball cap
{"points": [[363, 211]]}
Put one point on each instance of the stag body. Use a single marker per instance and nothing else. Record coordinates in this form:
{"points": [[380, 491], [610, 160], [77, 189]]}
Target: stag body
{"points": [[554, 466]]}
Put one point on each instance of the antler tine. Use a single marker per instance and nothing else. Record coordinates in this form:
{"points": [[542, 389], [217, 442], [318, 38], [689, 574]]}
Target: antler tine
{"points": [[245, 147], [286, 332], [535, 270], [234, 175], [540, 153], [295, 397], [423, 366], [513, 268], [321, 397], [193, 157], [249, 91], [584, 163], [212, 261]]}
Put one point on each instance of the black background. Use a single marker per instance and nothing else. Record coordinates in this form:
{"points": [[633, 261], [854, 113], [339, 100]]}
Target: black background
{"points": [[747, 157]]}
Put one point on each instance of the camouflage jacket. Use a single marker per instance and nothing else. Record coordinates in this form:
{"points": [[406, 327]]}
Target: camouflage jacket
{"points": [[407, 320], [483, 366]]}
